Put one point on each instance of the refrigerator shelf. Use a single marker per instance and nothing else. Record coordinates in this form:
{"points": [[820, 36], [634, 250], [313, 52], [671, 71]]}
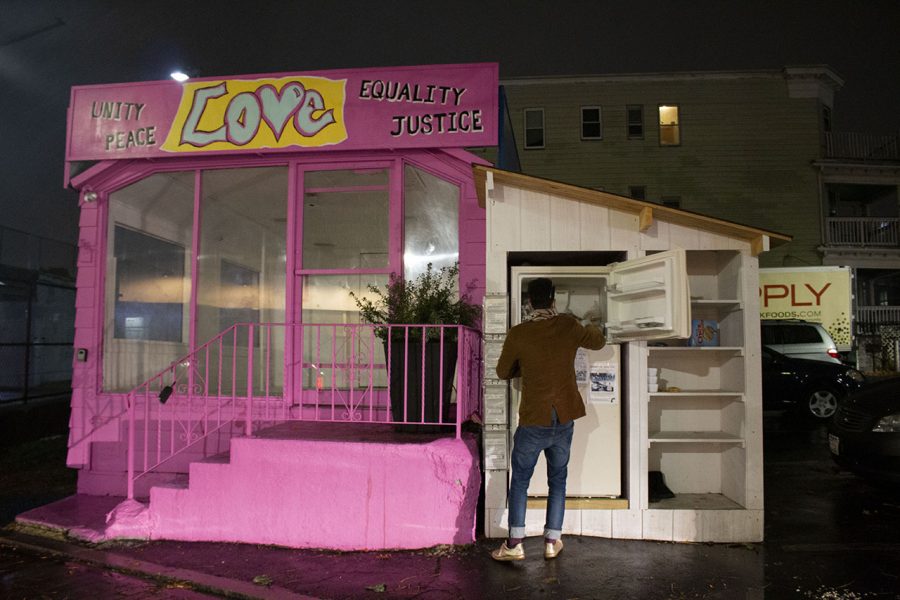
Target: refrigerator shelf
{"points": [[739, 350], [717, 303], [646, 288], [699, 393], [706, 437]]}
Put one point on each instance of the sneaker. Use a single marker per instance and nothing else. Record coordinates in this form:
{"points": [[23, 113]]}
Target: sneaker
{"points": [[553, 550], [504, 553]]}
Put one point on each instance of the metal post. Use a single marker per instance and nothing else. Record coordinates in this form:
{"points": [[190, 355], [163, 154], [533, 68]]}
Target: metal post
{"points": [[130, 400], [249, 427]]}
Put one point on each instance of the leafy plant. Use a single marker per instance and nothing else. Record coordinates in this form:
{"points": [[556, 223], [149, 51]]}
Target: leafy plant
{"points": [[430, 299]]}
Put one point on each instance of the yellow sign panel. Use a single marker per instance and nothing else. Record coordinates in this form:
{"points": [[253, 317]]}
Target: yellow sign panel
{"points": [[818, 294], [236, 114]]}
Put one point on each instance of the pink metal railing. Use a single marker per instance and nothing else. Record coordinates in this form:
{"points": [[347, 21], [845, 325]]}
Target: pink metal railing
{"points": [[254, 375]]}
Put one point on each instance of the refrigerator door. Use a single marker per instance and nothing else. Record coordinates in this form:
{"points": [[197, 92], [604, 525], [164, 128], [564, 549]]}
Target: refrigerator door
{"points": [[648, 298], [595, 463]]}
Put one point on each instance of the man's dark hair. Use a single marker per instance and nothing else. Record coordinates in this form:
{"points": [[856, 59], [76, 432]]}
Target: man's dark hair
{"points": [[540, 293]]}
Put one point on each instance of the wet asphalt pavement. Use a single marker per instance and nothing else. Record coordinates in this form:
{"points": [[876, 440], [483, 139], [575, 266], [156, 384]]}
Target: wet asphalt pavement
{"points": [[829, 535]]}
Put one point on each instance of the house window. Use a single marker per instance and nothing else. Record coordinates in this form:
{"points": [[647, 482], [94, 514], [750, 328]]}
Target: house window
{"points": [[638, 192], [826, 119], [534, 128], [669, 125], [591, 123], [671, 201], [635, 120]]}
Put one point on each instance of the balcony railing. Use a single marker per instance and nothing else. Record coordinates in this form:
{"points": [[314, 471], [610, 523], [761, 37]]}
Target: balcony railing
{"points": [[240, 381], [862, 146], [881, 232], [869, 319]]}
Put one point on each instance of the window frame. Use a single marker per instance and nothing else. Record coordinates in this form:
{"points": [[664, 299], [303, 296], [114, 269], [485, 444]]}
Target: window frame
{"points": [[676, 127], [598, 122], [629, 123], [526, 129], [670, 201], [641, 196], [827, 122]]}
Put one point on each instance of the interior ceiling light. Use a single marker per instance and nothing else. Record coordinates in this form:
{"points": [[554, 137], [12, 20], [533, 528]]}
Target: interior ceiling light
{"points": [[179, 76]]}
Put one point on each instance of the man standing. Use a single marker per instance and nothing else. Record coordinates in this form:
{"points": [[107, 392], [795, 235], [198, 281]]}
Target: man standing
{"points": [[542, 351]]}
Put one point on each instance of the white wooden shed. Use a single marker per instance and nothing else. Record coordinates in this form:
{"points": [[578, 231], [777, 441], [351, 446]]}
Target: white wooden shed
{"points": [[705, 432]]}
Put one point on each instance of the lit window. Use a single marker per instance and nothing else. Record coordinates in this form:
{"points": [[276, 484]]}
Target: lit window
{"points": [[669, 129], [534, 127], [635, 117], [638, 192], [591, 124]]}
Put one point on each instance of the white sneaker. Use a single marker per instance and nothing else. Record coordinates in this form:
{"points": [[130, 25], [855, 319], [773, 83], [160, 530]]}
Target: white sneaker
{"points": [[505, 553], [552, 550]]}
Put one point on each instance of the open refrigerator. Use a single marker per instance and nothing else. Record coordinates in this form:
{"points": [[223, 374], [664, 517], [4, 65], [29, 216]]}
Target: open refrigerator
{"points": [[641, 299]]}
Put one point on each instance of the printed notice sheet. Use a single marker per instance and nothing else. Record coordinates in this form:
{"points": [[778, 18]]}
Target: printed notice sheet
{"points": [[604, 383], [581, 367]]}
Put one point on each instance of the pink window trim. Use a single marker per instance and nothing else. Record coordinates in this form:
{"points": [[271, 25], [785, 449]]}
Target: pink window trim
{"points": [[110, 176]]}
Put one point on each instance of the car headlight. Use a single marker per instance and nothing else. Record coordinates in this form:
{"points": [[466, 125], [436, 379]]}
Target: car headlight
{"points": [[888, 424], [856, 376]]}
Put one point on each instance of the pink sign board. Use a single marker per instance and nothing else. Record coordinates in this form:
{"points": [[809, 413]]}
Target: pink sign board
{"points": [[359, 109]]}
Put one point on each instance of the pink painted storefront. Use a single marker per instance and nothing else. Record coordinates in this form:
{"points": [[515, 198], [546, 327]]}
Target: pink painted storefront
{"points": [[223, 382]]}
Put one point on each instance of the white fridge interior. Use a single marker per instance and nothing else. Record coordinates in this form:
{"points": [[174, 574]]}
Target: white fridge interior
{"points": [[641, 299]]}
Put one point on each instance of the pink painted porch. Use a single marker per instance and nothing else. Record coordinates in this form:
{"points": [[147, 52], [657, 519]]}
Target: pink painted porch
{"points": [[301, 484], [230, 453]]}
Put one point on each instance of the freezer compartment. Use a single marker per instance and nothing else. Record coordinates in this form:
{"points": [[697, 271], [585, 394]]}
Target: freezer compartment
{"points": [[581, 295]]}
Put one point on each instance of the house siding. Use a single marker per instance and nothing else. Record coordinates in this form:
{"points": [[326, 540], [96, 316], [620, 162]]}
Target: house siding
{"points": [[746, 150]]}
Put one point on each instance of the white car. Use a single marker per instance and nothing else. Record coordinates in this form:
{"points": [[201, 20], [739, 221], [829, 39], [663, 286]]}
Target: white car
{"points": [[799, 339]]}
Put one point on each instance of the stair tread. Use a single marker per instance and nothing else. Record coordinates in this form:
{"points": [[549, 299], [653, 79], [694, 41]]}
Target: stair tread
{"points": [[223, 458]]}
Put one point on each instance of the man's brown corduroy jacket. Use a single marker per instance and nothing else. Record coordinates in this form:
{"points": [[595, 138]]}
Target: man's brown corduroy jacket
{"points": [[543, 354]]}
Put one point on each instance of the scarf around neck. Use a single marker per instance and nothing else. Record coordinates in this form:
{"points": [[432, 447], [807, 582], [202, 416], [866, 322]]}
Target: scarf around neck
{"points": [[541, 314]]}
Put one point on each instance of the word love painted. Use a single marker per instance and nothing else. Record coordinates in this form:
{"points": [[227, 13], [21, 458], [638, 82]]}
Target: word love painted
{"points": [[122, 139], [246, 111], [446, 121]]}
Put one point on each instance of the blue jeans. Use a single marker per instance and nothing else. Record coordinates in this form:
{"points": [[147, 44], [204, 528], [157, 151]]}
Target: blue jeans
{"points": [[555, 442]]}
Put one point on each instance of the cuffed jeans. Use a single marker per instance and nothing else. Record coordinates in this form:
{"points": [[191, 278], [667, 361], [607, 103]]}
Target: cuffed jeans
{"points": [[529, 441]]}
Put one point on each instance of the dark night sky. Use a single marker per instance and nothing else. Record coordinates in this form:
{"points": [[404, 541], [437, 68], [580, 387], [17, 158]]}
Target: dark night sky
{"points": [[47, 46]]}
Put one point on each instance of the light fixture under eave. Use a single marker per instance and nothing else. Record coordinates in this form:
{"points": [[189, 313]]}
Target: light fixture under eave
{"points": [[179, 76]]}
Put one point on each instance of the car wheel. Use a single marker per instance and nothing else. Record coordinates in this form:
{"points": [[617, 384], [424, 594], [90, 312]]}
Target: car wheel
{"points": [[822, 403]]}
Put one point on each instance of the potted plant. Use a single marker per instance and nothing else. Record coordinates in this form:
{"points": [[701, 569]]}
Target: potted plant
{"points": [[430, 299]]}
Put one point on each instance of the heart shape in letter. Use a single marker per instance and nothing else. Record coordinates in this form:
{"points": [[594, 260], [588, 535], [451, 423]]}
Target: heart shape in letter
{"points": [[277, 109]]}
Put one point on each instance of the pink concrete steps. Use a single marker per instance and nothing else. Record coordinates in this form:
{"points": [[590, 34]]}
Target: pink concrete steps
{"points": [[324, 485], [107, 471]]}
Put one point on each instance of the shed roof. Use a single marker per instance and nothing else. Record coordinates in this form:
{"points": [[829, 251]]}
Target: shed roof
{"points": [[646, 210]]}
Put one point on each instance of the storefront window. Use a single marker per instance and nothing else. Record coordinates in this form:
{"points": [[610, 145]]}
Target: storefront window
{"points": [[327, 300], [241, 268], [430, 222], [345, 219], [148, 278]]}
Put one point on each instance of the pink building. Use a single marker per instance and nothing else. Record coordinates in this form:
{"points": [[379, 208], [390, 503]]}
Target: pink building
{"points": [[223, 381]]}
